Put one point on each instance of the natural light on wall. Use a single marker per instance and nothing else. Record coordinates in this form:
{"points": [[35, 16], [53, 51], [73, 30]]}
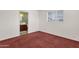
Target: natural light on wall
{"points": [[55, 15]]}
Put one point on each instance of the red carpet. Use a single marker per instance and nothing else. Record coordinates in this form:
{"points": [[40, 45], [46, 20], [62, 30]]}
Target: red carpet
{"points": [[39, 40]]}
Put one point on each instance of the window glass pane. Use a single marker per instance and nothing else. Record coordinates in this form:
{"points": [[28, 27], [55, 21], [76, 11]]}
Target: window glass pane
{"points": [[55, 15]]}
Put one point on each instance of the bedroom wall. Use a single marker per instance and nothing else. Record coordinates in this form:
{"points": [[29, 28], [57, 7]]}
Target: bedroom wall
{"points": [[69, 28], [33, 21], [8, 24]]}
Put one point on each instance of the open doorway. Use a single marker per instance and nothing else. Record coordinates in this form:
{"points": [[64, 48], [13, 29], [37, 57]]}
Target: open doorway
{"points": [[23, 23]]}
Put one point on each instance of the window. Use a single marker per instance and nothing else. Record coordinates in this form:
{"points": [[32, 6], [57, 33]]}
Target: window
{"points": [[55, 15]]}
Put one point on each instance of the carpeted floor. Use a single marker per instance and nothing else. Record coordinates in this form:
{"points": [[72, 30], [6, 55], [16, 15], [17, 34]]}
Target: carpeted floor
{"points": [[39, 40]]}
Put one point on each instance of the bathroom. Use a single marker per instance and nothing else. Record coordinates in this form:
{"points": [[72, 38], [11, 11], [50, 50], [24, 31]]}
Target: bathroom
{"points": [[23, 23]]}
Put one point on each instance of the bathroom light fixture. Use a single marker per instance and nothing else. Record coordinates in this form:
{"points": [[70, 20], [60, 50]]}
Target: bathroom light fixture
{"points": [[21, 15]]}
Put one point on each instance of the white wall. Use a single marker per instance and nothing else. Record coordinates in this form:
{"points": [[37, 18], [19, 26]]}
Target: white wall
{"points": [[33, 21], [9, 24], [69, 28]]}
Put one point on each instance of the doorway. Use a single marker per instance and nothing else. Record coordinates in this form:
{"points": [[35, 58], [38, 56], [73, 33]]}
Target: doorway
{"points": [[23, 23]]}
